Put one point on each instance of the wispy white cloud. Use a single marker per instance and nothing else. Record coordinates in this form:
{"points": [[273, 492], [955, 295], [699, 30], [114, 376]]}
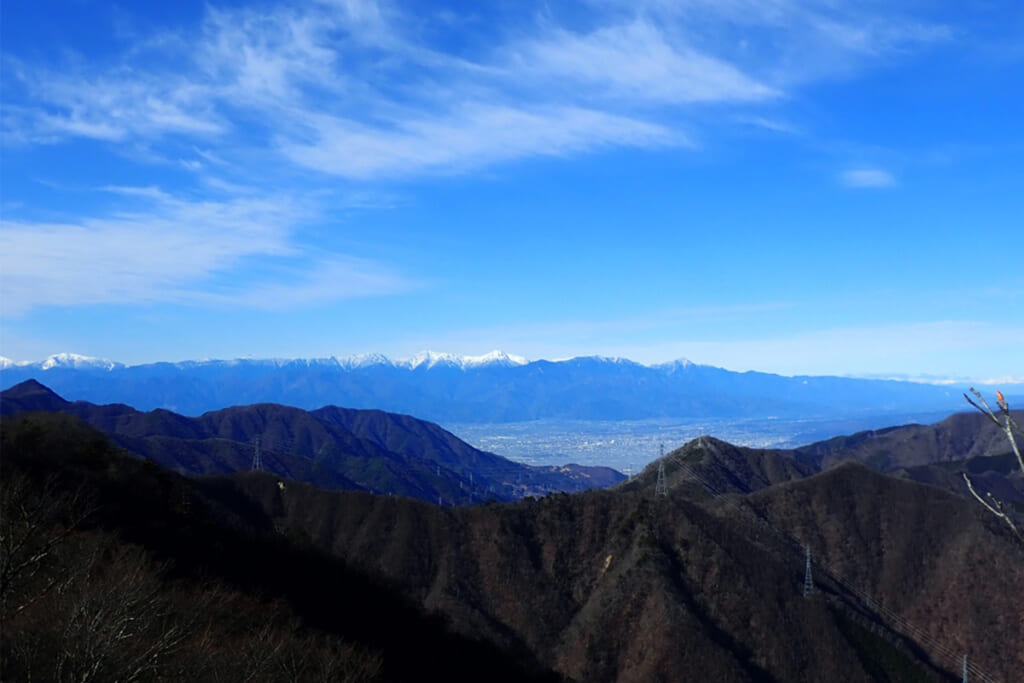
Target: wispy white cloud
{"points": [[271, 56], [363, 80], [360, 90], [173, 250], [637, 63], [867, 178], [115, 105], [475, 135], [794, 41]]}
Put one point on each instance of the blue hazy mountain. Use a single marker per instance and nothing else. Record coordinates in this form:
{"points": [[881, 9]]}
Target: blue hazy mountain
{"points": [[492, 388]]}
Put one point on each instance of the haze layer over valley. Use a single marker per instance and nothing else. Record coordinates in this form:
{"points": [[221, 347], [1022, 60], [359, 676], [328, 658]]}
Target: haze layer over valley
{"points": [[628, 445]]}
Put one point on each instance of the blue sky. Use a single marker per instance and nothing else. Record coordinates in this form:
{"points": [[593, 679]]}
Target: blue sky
{"points": [[794, 186]]}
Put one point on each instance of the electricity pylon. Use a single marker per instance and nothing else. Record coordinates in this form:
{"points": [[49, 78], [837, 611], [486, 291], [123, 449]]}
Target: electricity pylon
{"points": [[661, 487]]}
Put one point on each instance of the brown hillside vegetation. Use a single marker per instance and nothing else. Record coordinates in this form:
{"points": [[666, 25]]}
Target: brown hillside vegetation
{"points": [[958, 437], [624, 586], [728, 468], [933, 558], [616, 585]]}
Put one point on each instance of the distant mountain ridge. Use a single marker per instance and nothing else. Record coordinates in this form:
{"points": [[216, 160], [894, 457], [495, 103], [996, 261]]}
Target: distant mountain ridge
{"points": [[333, 448], [495, 387]]}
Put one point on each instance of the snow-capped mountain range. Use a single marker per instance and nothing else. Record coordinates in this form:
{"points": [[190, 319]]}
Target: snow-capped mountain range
{"points": [[430, 359], [494, 387], [423, 359], [63, 360]]}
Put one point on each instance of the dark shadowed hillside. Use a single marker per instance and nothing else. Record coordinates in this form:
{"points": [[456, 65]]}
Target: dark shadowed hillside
{"points": [[999, 475], [934, 454], [958, 437], [961, 443], [937, 560], [622, 585], [117, 569], [331, 448], [618, 585], [729, 468]]}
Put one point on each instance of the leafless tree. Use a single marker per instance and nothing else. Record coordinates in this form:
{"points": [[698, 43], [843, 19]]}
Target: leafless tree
{"points": [[75, 604], [34, 523], [118, 626], [1004, 421]]}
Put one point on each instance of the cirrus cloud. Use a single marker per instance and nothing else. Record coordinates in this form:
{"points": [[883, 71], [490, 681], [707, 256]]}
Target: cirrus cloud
{"points": [[371, 82], [177, 251]]}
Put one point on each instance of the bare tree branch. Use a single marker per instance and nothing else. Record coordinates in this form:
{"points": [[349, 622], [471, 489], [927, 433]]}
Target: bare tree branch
{"points": [[984, 411], [996, 509], [1008, 425], [33, 525]]}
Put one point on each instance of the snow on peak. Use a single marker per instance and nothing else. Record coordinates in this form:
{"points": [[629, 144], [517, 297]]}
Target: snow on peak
{"points": [[493, 358], [73, 360], [364, 360], [430, 359], [678, 364]]}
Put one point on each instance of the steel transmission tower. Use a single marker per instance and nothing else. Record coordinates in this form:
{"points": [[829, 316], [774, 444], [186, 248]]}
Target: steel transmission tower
{"points": [[257, 457], [661, 487]]}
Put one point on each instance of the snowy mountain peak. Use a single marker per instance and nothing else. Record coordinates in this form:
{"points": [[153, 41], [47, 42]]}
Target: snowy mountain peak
{"points": [[493, 358], [430, 359], [426, 359], [423, 360], [73, 360], [364, 360]]}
